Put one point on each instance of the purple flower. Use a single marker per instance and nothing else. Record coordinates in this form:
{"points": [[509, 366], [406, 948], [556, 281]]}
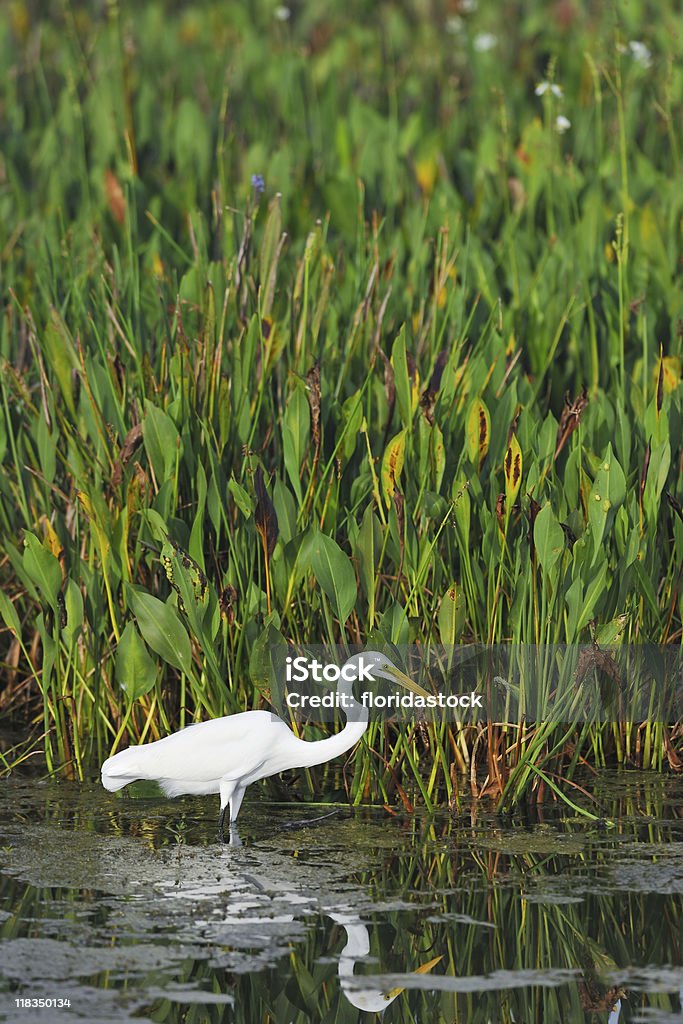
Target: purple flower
{"points": [[258, 184]]}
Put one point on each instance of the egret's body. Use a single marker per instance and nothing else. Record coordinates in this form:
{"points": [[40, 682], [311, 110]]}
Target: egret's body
{"points": [[226, 755]]}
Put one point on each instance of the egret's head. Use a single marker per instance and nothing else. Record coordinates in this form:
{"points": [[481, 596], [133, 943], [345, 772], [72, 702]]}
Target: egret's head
{"points": [[373, 665]]}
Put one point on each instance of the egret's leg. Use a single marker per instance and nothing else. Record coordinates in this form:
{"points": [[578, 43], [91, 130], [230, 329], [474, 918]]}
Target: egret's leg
{"points": [[227, 788], [236, 802]]}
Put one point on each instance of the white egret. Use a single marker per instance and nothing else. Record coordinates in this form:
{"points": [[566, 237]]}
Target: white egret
{"points": [[226, 755]]}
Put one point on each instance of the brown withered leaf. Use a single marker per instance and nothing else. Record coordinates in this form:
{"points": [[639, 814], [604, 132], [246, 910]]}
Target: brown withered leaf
{"points": [[138, 489], [675, 763], [594, 657], [570, 419], [313, 393], [660, 382], [130, 443], [568, 535], [265, 516], [226, 603], [389, 381], [61, 605], [512, 429], [430, 393], [113, 192], [399, 505], [500, 509], [534, 509], [675, 505]]}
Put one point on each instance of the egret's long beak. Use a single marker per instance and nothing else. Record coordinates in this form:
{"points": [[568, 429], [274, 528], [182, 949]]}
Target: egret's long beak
{"points": [[400, 677]]}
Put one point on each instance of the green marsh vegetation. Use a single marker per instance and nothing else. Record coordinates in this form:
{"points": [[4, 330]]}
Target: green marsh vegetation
{"points": [[322, 327]]}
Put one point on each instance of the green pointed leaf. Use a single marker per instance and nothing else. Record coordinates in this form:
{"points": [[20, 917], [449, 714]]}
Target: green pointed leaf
{"points": [[9, 614], [162, 629], [606, 498], [242, 498], [399, 363], [162, 441], [43, 569], [295, 436], [135, 667], [451, 616], [548, 539], [73, 603], [333, 570]]}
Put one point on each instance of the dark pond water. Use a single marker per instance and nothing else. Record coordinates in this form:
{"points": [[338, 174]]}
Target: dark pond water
{"points": [[129, 910]]}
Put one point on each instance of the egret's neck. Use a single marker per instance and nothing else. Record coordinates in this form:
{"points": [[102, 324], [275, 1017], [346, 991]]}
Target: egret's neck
{"points": [[320, 751]]}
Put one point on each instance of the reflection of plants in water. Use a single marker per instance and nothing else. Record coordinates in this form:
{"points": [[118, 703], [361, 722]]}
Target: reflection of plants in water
{"points": [[559, 906]]}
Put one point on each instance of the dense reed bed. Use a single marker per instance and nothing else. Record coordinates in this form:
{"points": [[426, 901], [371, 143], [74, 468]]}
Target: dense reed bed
{"points": [[325, 326]]}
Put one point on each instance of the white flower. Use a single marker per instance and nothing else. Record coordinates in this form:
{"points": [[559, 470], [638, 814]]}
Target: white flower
{"points": [[468, 6], [283, 13], [640, 53], [454, 24], [562, 123], [543, 87], [484, 42]]}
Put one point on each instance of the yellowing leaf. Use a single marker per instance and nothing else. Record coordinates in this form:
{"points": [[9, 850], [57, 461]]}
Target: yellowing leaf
{"points": [[478, 432], [512, 466], [426, 172], [51, 537], [668, 368], [422, 969], [392, 465]]}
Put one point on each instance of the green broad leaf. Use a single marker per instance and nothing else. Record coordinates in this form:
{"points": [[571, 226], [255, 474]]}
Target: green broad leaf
{"points": [[242, 498], [392, 466], [162, 441], [611, 632], [135, 668], [73, 603], [395, 627], [43, 569], [606, 498], [333, 570], [162, 629], [264, 653], [399, 363], [368, 549], [462, 507], [61, 355], [548, 539], [350, 426], [196, 544], [595, 590], [268, 257], [658, 472], [156, 524], [285, 510], [46, 443], [295, 436], [451, 617], [9, 614]]}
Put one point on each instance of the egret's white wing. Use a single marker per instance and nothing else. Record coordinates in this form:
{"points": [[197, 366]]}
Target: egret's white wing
{"points": [[229, 747]]}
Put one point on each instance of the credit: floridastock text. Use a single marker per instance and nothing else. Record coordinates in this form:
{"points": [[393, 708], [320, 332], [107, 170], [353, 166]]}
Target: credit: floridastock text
{"points": [[378, 700]]}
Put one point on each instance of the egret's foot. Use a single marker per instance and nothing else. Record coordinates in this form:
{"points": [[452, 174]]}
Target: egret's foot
{"points": [[308, 822]]}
